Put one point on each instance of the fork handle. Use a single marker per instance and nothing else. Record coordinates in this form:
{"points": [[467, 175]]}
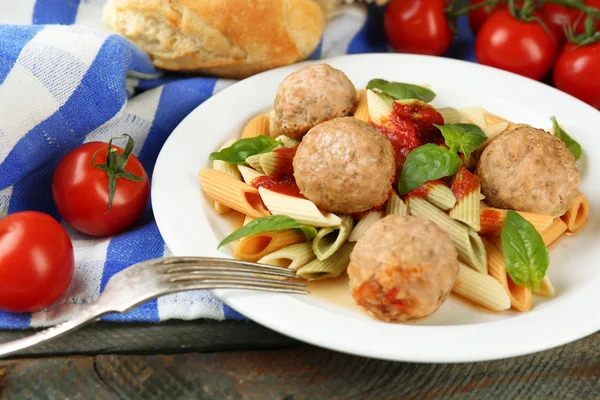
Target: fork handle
{"points": [[49, 334]]}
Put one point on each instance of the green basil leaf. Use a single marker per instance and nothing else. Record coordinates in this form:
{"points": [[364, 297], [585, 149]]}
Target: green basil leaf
{"points": [[426, 163], [244, 148], [270, 223], [401, 91], [465, 138], [571, 144], [525, 253]]}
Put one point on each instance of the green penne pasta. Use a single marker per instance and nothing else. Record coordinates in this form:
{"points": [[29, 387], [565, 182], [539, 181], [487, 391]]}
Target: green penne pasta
{"points": [[329, 268], [287, 141], [268, 163], [468, 210], [254, 162], [365, 222], [329, 240], [395, 205], [468, 243], [451, 115], [292, 257], [440, 195]]}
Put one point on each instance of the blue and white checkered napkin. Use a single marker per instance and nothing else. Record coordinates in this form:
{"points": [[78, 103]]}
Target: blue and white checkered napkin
{"points": [[64, 85]]}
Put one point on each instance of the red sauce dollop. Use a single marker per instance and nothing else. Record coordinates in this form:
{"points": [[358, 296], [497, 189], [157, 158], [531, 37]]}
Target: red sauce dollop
{"points": [[285, 158], [286, 185], [464, 182], [490, 217]]}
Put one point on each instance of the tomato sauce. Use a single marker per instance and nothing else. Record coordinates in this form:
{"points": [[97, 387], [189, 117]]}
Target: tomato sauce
{"points": [[490, 217], [464, 183], [410, 126], [285, 158], [286, 185]]}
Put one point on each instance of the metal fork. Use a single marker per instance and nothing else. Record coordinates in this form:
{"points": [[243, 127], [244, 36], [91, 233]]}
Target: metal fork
{"points": [[149, 279]]}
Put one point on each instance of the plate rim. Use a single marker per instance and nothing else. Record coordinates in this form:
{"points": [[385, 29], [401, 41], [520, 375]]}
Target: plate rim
{"points": [[230, 300]]}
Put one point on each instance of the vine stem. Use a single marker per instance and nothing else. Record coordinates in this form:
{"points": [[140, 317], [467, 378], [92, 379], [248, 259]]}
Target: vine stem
{"points": [[589, 11], [464, 10]]}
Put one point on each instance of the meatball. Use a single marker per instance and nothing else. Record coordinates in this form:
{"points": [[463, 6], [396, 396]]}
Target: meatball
{"points": [[345, 166], [309, 96], [528, 169], [403, 267]]}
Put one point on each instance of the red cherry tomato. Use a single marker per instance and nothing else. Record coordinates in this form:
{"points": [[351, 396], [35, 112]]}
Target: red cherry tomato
{"points": [[36, 261], [559, 16], [417, 26], [576, 72], [579, 20], [81, 191], [521, 47], [478, 16]]}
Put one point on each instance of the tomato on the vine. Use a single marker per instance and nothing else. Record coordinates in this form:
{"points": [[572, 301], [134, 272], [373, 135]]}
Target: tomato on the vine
{"points": [[558, 16], [100, 191], [418, 26], [511, 44], [478, 16], [576, 72], [36, 261], [579, 19]]}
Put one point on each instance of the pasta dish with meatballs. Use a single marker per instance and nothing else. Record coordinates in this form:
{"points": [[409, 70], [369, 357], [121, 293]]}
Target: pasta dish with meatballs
{"points": [[413, 201]]}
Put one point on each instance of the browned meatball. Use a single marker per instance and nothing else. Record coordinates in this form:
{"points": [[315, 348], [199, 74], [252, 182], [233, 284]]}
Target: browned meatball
{"points": [[528, 169], [345, 166], [309, 96], [403, 267]]}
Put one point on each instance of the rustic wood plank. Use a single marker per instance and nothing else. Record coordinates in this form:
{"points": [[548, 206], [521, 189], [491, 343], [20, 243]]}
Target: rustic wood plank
{"points": [[306, 372], [165, 338]]}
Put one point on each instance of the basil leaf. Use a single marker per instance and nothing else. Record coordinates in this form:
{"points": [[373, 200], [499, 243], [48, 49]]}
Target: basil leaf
{"points": [[571, 144], [426, 163], [525, 253], [465, 138], [401, 91], [270, 223], [244, 148]]}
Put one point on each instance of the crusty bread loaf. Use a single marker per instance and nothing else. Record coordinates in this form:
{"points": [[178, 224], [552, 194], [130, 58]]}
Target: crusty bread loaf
{"points": [[230, 38]]}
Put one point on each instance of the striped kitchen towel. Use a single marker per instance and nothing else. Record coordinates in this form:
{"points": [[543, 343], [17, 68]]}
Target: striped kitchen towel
{"points": [[64, 81]]}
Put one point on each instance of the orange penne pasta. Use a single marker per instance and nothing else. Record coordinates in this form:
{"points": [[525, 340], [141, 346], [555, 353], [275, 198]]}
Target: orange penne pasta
{"points": [[554, 231], [362, 110], [577, 216], [492, 220], [257, 126], [491, 120], [232, 193], [255, 247], [520, 297]]}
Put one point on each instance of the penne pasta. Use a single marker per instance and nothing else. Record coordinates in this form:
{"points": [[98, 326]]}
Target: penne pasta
{"points": [[468, 243], [546, 289], [329, 240], [365, 222], [249, 174], [287, 141], [492, 131], [257, 126], [329, 268], [268, 163], [380, 107], [362, 109], [577, 215], [228, 168], [254, 162], [474, 115], [492, 220], [451, 115], [253, 248], [554, 231], [439, 195], [491, 120], [247, 219], [395, 205], [467, 209], [520, 296], [292, 257], [481, 289], [302, 210], [232, 193]]}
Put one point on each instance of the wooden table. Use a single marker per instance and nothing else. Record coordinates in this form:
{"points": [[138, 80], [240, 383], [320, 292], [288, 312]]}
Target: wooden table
{"points": [[242, 360]]}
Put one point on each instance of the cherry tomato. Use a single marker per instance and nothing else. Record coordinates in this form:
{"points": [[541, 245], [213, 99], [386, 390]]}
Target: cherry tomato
{"points": [[576, 72], [521, 47], [579, 20], [478, 16], [36, 261], [559, 16], [81, 191], [417, 26]]}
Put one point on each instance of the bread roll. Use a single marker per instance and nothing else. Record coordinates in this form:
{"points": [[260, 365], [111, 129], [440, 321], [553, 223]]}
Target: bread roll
{"points": [[229, 38]]}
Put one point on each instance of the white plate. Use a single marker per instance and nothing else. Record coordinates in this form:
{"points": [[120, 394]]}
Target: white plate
{"points": [[457, 332]]}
